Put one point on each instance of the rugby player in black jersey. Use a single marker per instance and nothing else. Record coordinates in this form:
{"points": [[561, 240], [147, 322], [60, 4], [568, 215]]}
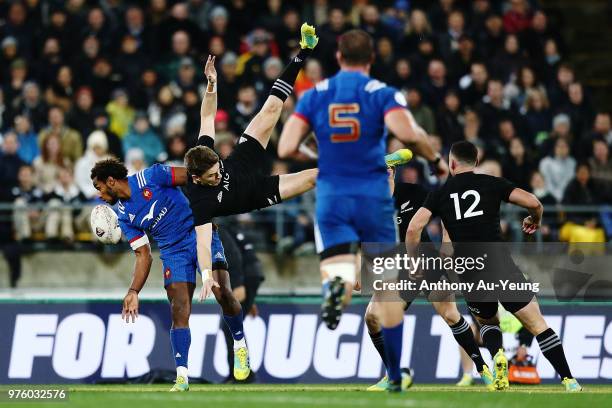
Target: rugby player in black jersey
{"points": [[468, 205], [408, 198]]}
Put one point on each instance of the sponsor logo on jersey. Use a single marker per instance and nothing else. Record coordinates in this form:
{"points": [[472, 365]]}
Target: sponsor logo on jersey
{"points": [[149, 215], [403, 207], [132, 216], [161, 214], [220, 196], [147, 193]]}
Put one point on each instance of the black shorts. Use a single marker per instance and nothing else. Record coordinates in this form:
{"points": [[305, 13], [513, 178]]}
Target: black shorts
{"points": [[250, 163], [485, 306]]}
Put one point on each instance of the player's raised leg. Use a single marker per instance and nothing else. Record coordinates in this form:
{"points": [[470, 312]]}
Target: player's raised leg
{"points": [[180, 295], [263, 123], [550, 344]]}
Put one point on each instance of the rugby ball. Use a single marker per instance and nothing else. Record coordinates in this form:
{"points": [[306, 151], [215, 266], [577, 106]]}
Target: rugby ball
{"points": [[105, 224]]}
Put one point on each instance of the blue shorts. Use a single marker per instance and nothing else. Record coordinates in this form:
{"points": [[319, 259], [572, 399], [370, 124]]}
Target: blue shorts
{"points": [[181, 265], [349, 219]]}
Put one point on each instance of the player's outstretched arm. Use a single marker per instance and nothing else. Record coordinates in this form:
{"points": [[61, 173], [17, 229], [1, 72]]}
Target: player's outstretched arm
{"points": [[530, 202], [417, 223], [208, 109], [203, 243], [142, 267]]}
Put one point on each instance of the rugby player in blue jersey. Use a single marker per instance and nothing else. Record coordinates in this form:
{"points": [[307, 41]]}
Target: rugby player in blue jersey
{"points": [[349, 114]]}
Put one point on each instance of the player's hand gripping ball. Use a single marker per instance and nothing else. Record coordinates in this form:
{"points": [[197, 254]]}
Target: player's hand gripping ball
{"points": [[105, 224]]}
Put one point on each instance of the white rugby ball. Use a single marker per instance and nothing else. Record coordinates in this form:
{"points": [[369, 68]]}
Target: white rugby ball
{"points": [[105, 224]]}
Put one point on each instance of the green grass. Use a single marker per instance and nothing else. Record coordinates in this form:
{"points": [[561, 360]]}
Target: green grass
{"points": [[333, 396]]}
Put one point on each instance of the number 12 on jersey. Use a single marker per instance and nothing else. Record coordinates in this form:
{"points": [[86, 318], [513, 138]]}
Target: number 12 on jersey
{"points": [[338, 121], [470, 211]]}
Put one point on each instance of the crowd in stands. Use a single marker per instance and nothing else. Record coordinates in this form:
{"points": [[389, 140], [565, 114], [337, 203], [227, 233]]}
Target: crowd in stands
{"points": [[85, 80]]}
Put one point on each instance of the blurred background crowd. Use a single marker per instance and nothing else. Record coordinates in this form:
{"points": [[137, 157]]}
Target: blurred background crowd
{"points": [[82, 80]]}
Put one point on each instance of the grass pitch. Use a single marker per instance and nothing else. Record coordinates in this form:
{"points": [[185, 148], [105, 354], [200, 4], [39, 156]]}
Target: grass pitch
{"points": [[334, 396]]}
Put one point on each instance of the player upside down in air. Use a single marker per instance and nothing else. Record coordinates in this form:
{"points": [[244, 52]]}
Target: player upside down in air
{"points": [[408, 199], [468, 205], [238, 184], [348, 114], [150, 201]]}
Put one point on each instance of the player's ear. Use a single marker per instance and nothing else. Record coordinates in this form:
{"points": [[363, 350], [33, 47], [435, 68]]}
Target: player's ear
{"points": [[195, 179], [338, 57], [111, 181]]}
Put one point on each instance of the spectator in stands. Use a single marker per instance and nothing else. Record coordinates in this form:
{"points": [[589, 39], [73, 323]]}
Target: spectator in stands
{"points": [[32, 106], [474, 86], [583, 190], [373, 24], [181, 48], [417, 27], [384, 62], [27, 221], [471, 128], [558, 170], [402, 76], [509, 60], [537, 186], [602, 127], [436, 84], [525, 81], [61, 91], [27, 139], [447, 119], [448, 42], [517, 164], [561, 129], [330, 31], [537, 115], [65, 193], [48, 164], [102, 123], [228, 81], [421, 112], [142, 136], [312, 75], [601, 163], [492, 109], [97, 149], [176, 150], [579, 110], [120, 113], [72, 144], [518, 18], [81, 116], [491, 40], [131, 60], [245, 108], [135, 160], [10, 163], [13, 85], [558, 91]]}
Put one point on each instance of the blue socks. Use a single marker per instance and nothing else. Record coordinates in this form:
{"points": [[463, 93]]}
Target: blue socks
{"points": [[393, 349], [181, 340], [235, 325]]}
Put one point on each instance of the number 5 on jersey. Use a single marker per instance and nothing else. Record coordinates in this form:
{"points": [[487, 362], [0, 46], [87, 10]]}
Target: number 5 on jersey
{"points": [[338, 121], [470, 211]]}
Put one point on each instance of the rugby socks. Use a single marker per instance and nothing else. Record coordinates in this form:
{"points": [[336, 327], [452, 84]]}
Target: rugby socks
{"points": [[181, 340], [283, 86], [551, 347], [491, 338], [235, 325], [393, 350], [379, 344], [465, 338]]}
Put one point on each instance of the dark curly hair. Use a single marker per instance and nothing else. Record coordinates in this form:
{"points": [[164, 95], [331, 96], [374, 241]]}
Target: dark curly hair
{"points": [[109, 168]]}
